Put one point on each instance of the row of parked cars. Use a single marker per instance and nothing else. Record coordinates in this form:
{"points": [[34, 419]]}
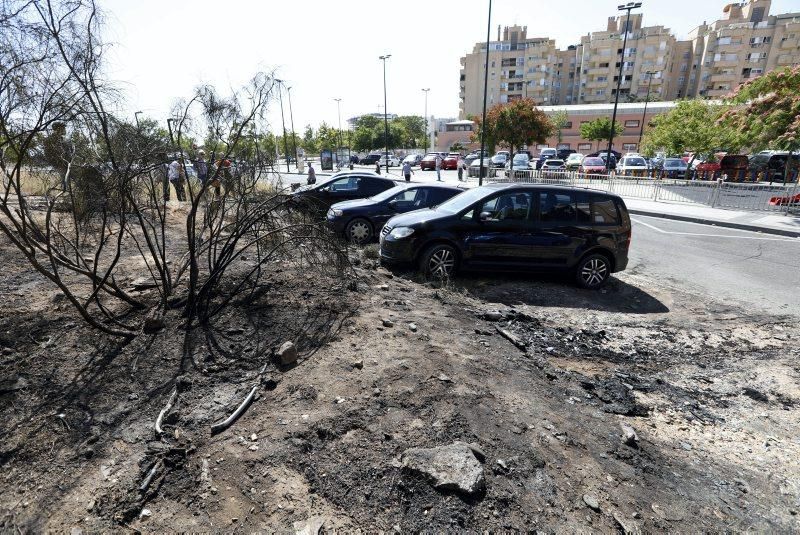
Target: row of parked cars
{"points": [[442, 229]]}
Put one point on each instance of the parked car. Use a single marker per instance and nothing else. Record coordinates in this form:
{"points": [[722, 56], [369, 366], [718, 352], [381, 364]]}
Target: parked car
{"points": [[451, 161], [360, 221], [513, 227], [473, 170], [563, 154], [733, 165], [673, 168], [520, 162], [499, 160], [429, 161], [545, 154], [341, 187], [573, 161], [394, 161], [771, 165], [413, 159], [632, 165], [592, 165], [553, 168], [370, 159]]}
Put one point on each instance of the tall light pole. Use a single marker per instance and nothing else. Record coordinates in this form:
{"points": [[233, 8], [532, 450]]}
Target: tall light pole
{"points": [[649, 75], [426, 117], [339, 113], [136, 117], [385, 112], [283, 124], [291, 121], [627, 7], [485, 90]]}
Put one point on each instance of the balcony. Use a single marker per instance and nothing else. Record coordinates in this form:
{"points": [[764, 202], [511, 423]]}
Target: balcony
{"points": [[597, 70], [717, 93], [722, 77], [789, 43], [597, 84], [726, 62]]}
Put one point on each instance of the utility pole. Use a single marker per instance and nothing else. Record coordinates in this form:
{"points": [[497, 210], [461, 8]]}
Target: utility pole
{"points": [[426, 118], [339, 113], [136, 117], [385, 113], [627, 7], [283, 124], [291, 122], [485, 90], [649, 75]]}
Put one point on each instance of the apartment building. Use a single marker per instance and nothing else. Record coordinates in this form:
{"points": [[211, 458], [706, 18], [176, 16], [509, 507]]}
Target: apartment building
{"points": [[746, 42]]}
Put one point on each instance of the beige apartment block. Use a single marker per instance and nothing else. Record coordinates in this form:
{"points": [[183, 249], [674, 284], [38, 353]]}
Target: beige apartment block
{"points": [[746, 42]]}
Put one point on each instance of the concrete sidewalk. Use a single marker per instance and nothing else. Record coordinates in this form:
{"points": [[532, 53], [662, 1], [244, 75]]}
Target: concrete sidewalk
{"points": [[766, 222]]}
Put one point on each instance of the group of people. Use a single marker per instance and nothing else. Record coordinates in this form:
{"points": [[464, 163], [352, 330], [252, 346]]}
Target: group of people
{"points": [[174, 173]]}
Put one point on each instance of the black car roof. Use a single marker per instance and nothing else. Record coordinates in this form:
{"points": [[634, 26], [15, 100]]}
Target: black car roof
{"points": [[536, 187]]}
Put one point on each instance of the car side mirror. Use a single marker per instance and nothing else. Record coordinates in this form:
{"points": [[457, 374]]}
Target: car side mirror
{"points": [[485, 216]]}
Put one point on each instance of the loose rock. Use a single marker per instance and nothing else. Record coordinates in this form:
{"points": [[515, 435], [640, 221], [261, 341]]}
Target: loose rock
{"points": [[591, 502], [387, 322], [287, 354], [452, 467], [629, 436]]}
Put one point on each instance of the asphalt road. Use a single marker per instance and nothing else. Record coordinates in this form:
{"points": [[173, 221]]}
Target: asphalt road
{"points": [[758, 270]]}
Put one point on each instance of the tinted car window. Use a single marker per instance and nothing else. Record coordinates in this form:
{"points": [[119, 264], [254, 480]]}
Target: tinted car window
{"points": [[345, 184], [372, 186], [438, 196], [556, 208], [405, 195], [508, 207], [584, 209], [604, 211]]}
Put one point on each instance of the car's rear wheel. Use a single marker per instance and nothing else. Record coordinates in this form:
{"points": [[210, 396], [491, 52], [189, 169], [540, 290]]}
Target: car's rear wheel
{"points": [[359, 231], [439, 261], [593, 271]]}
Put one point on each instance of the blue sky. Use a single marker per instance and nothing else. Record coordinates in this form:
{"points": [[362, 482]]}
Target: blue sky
{"points": [[328, 50]]}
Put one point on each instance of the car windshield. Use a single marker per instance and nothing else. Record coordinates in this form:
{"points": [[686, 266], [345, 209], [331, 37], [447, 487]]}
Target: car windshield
{"points": [[573, 157], [634, 161], [464, 200], [593, 161], [554, 162], [521, 158], [429, 157], [674, 162]]}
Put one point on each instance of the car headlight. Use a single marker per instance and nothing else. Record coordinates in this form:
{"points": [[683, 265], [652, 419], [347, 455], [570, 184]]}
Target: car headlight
{"points": [[334, 212], [401, 232]]}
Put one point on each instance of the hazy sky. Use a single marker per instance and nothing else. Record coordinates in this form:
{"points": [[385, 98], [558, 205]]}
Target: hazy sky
{"points": [[327, 49]]}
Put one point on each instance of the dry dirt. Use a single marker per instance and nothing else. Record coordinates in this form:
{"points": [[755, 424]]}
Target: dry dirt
{"points": [[538, 373]]}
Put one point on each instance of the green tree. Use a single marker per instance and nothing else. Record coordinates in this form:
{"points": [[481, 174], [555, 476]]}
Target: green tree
{"points": [[559, 120], [309, 142], [599, 129], [413, 131], [327, 137], [515, 124], [765, 113], [692, 126]]}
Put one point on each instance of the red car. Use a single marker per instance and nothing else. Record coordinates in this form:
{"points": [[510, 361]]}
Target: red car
{"points": [[428, 162], [592, 166], [733, 165], [451, 161]]}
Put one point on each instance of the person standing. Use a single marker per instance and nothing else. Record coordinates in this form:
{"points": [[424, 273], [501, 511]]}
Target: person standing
{"points": [[162, 174], [378, 167], [312, 175], [201, 167], [407, 171], [461, 166], [439, 167], [177, 175]]}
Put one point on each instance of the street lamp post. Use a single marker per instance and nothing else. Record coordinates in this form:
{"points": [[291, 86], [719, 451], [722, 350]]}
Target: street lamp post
{"points": [[385, 113], [136, 117], [485, 90], [291, 122], [339, 114], [649, 75], [425, 90], [626, 7], [283, 124]]}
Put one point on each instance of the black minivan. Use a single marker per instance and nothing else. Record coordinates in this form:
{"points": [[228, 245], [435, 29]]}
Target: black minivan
{"points": [[514, 227]]}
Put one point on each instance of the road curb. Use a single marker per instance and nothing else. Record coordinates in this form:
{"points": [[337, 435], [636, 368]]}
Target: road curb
{"points": [[717, 223]]}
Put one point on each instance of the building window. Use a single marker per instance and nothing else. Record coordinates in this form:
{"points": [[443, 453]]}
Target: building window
{"points": [[584, 147], [629, 147], [632, 124], [568, 124]]}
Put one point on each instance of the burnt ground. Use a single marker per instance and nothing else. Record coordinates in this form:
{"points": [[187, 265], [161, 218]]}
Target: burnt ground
{"points": [[538, 373]]}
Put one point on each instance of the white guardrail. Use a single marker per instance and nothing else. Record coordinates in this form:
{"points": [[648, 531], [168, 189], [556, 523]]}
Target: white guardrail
{"points": [[755, 196]]}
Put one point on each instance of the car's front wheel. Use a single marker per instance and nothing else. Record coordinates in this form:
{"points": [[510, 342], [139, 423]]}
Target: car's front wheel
{"points": [[593, 271], [359, 231], [439, 261]]}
